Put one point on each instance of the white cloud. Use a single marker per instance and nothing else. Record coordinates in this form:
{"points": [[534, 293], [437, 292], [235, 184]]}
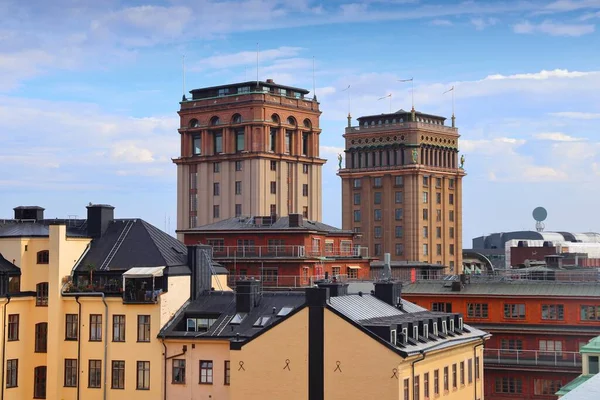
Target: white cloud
{"points": [[571, 5], [556, 137], [588, 16], [554, 28], [576, 115], [441, 22], [495, 146], [248, 57], [482, 23], [542, 75]]}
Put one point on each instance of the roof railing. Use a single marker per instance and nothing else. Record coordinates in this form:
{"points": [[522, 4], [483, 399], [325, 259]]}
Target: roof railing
{"points": [[289, 251], [557, 358]]}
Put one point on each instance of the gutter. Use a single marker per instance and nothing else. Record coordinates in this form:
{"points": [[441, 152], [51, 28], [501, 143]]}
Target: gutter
{"points": [[413, 373], [104, 366], [183, 351], [477, 366], [4, 345], [78, 343]]}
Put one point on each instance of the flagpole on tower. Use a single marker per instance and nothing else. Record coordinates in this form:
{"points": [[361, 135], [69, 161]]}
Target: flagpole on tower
{"points": [[412, 91], [183, 77], [453, 117]]}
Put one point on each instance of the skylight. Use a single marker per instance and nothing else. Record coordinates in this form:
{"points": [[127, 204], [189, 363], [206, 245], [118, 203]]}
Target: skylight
{"points": [[262, 321], [238, 318], [284, 311]]}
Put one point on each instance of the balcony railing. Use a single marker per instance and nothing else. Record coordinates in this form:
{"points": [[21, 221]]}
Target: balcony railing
{"points": [[570, 359], [400, 126], [224, 252], [286, 281]]}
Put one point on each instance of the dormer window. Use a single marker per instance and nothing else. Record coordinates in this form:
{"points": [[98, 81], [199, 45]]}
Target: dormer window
{"points": [[452, 325], [444, 327], [404, 335], [416, 332], [426, 331], [238, 318], [460, 323], [435, 329], [393, 337], [284, 311], [43, 257], [199, 324]]}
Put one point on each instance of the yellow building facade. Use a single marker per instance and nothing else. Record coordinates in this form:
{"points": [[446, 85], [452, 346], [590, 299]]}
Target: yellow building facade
{"points": [[65, 339]]}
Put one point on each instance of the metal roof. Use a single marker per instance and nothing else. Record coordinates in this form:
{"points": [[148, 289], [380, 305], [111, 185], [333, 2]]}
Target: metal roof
{"points": [[282, 223], [593, 346], [508, 288], [588, 390], [357, 307]]}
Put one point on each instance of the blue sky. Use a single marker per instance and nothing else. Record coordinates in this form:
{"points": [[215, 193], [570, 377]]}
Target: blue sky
{"points": [[89, 93]]}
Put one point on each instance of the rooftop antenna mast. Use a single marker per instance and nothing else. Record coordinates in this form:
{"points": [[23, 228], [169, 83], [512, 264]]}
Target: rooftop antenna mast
{"points": [[453, 118], [314, 85], [257, 53], [183, 77], [539, 215]]}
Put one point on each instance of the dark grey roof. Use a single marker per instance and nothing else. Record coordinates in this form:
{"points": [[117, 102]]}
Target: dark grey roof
{"points": [[251, 84], [40, 228], [547, 329], [406, 264], [282, 223], [6, 267], [221, 304], [507, 288], [141, 245], [365, 307], [399, 113]]}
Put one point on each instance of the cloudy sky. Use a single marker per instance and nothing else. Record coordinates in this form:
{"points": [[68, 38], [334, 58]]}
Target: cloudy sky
{"points": [[89, 93]]}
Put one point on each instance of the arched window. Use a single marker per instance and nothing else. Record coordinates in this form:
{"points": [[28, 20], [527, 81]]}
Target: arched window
{"points": [[236, 119], [291, 121], [275, 118], [43, 257], [215, 121], [307, 123], [194, 123], [41, 294], [379, 122], [366, 123]]}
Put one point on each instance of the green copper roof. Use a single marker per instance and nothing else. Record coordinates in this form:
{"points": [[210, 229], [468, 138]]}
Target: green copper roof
{"points": [[593, 346], [573, 384]]}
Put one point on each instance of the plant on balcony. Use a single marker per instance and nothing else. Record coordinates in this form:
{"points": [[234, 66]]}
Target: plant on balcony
{"points": [[91, 268]]}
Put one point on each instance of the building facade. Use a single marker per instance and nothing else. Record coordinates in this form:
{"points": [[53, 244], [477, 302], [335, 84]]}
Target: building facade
{"points": [[250, 148], [283, 251], [402, 187], [537, 327], [323, 343], [82, 304]]}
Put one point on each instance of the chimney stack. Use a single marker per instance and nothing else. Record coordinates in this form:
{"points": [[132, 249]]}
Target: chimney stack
{"points": [[199, 261], [247, 295], [389, 292], [99, 217], [296, 220]]}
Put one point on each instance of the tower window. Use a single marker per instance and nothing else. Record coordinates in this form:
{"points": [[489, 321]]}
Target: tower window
{"points": [[218, 142], [196, 145], [272, 139], [305, 144], [239, 140]]}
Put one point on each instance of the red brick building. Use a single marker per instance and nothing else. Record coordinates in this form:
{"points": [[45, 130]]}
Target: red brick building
{"points": [[283, 252], [537, 329]]}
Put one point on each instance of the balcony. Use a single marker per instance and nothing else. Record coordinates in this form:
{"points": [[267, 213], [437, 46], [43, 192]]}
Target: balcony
{"points": [[283, 252], [532, 358]]}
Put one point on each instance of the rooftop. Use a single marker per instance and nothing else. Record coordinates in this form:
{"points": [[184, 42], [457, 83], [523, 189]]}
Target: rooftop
{"points": [[399, 115], [6, 267], [252, 86], [593, 346], [502, 287], [41, 228], [584, 387], [268, 223]]}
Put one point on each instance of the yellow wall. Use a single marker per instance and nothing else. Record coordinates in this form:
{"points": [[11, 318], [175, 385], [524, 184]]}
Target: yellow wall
{"points": [[215, 350], [264, 376], [366, 364], [173, 299]]}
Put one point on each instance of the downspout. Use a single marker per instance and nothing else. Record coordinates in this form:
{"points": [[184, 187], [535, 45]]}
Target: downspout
{"points": [[4, 344], [183, 351], [413, 372], [78, 343], [104, 367], [477, 366]]}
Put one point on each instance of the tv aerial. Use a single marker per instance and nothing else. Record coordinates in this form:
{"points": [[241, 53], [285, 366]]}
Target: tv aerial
{"points": [[539, 214]]}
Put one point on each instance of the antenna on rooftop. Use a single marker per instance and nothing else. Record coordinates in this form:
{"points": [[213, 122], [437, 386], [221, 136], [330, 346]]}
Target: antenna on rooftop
{"points": [[349, 115], [314, 86], [257, 53], [539, 215], [453, 118], [183, 77]]}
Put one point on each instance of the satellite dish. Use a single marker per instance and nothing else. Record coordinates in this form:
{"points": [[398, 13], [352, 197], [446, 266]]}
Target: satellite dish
{"points": [[539, 214]]}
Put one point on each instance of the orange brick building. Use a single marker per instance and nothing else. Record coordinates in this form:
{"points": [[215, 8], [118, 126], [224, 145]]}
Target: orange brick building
{"points": [[537, 329], [250, 148], [283, 252]]}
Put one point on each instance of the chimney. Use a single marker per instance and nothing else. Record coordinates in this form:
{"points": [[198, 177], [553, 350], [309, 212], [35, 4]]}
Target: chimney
{"points": [[389, 292], [98, 218], [199, 261], [296, 220], [387, 269], [29, 212], [270, 81], [317, 296], [247, 295]]}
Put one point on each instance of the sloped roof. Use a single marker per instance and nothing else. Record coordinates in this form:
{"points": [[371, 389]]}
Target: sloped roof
{"points": [[507, 288], [8, 267], [593, 346], [41, 228], [282, 223], [142, 245]]}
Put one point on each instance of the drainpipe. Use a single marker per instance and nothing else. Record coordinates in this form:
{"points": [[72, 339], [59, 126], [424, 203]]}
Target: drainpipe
{"points": [[413, 373], [475, 358], [183, 351], [78, 342], [4, 345], [96, 294]]}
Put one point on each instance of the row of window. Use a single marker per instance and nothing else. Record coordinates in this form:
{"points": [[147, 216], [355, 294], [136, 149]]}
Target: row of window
{"points": [[206, 372], [544, 345], [550, 312], [458, 375], [240, 142], [399, 214], [398, 198], [237, 118], [71, 374], [399, 182], [514, 385], [72, 326]]}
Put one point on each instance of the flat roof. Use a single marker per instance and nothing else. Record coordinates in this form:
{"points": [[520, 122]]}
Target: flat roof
{"points": [[251, 84]]}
